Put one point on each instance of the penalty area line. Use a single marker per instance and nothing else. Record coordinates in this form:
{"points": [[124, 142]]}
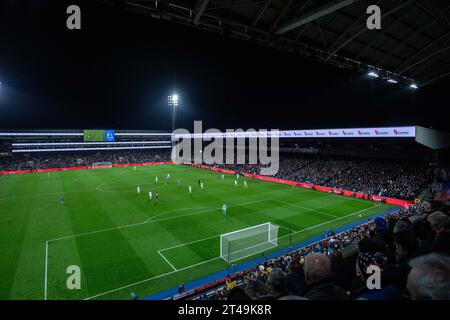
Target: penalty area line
{"points": [[207, 261], [167, 260], [46, 268], [152, 278]]}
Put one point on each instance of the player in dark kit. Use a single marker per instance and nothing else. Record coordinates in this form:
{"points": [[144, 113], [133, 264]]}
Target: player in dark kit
{"points": [[157, 196]]}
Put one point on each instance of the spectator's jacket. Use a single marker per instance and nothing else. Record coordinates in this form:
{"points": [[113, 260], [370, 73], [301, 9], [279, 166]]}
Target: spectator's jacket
{"points": [[386, 293], [295, 283], [325, 290], [441, 243]]}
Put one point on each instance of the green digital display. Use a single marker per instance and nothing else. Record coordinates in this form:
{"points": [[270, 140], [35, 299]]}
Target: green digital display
{"points": [[94, 135]]}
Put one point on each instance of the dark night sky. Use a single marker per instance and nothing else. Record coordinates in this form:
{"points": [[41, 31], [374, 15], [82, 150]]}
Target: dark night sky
{"points": [[117, 73]]}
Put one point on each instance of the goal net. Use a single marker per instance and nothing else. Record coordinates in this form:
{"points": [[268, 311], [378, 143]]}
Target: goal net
{"points": [[98, 165], [242, 243]]}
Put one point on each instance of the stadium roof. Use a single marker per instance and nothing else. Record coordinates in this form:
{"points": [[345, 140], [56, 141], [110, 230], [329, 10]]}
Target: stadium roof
{"points": [[414, 40]]}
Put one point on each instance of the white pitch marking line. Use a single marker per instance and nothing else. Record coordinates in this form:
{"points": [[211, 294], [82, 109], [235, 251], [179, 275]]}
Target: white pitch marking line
{"points": [[306, 208], [203, 239], [158, 220], [152, 278], [46, 268], [181, 209], [326, 222], [175, 269], [207, 261]]}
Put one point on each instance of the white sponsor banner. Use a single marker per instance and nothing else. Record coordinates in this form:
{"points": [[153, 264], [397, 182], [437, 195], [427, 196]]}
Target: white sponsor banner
{"points": [[389, 132]]}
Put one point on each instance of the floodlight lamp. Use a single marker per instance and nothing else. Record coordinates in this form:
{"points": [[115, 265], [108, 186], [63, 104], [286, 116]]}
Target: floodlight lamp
{"points": [[392, 81], [373, 74]]}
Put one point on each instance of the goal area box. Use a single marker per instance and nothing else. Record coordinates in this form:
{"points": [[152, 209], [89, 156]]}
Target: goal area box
{"points": [[246, 242]]}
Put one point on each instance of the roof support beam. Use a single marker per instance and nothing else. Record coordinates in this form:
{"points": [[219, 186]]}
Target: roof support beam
{"points": [[364, 29], [281, 15], [200, 7], [428, 46], [261, 12], [428, 57], [402, 43], [314, 15], [442, 76]]}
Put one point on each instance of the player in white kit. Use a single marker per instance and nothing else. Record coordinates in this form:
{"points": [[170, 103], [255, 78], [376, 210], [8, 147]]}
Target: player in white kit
{"points": [[190, 190], [138, 189], [150, 196]]}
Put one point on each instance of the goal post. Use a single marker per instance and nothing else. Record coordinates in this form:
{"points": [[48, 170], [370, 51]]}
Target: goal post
{"points": [[243, 243], [99, 165]]}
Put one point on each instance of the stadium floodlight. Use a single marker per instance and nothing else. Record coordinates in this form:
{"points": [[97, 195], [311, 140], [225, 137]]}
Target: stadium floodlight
{"points": [[413, 86], [392, 81], [246, 242], [373, 74], [173, 101]]}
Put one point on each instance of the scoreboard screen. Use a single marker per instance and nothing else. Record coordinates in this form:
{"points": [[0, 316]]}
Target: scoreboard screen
{"points": [[99, 135]]}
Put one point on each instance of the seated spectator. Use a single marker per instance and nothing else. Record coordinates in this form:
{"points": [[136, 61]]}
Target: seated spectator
{"points": [[407, 248], [254, 287], [238, 293], [318, 276], [277, 285], [440, 222], [386, 291], [380, 234], [295, 279], [429, 278], [342, 272]]}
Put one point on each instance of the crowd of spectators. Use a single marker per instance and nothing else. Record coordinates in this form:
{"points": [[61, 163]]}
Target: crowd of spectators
{"points": [[384, 178], [393, 179], [390, 179], [411, 248], [64, 160]]}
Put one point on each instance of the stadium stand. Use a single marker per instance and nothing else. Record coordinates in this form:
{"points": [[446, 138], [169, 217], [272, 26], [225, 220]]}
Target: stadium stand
{"points": [[396, 243]]}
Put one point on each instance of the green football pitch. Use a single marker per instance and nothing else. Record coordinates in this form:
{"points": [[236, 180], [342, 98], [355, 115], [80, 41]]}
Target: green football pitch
{"points": [[125, 243]]}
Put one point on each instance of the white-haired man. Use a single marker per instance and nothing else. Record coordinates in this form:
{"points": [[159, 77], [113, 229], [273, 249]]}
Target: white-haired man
{"points": [[429, 278], [318, 277]]}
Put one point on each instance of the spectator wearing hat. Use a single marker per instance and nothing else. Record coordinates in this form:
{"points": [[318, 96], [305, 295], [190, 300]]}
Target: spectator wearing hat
{"points": [[386, 291], [380, 234]]}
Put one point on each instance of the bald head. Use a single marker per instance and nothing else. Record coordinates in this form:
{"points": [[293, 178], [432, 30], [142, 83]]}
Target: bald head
{"points": [[317, 267]]}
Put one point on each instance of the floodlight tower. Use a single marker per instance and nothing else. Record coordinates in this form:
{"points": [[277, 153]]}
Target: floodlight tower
{"points": [[173, 103]]}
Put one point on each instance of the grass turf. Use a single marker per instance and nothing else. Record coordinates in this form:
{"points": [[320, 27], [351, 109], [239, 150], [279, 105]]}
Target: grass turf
{"points": [[123, 243]]}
